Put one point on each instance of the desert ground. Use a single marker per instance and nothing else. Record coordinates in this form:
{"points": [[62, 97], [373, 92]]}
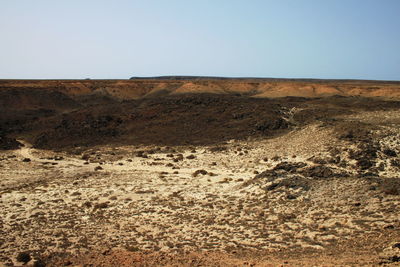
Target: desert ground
{"points": [[199, 172]]}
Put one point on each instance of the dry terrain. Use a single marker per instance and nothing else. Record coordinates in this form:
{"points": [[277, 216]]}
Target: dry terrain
{"points": [[199, 172]]}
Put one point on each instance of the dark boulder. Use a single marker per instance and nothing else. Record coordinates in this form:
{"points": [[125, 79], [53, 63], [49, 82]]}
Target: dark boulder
{"points": [[290, 166], [318, 171]]}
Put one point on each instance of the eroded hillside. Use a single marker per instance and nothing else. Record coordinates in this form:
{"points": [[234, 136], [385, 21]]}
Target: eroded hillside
{"points": [[138, 88]]}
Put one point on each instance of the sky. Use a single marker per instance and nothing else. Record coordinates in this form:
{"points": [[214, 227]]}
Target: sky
{"points": [[118, 39]]}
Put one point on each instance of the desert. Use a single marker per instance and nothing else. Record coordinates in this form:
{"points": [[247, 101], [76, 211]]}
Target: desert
{"points": [[199, 171]]}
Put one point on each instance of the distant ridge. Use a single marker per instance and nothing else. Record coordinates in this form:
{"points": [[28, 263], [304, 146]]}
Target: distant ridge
{"points": [[194, 78]]}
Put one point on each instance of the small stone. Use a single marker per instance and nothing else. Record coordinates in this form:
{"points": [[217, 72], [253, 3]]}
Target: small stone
{"points": [[191, 157], [101, 205], [98, 168]]}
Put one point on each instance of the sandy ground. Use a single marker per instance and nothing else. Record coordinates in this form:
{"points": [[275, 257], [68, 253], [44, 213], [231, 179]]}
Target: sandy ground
{"points": [[201, 206]]}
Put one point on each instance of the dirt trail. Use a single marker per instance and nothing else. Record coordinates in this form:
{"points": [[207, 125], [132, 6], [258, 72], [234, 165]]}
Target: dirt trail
{"points": [[26, 151]]}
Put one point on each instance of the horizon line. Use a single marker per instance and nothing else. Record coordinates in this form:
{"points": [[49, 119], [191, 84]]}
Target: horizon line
{"points": [[199, 77]]}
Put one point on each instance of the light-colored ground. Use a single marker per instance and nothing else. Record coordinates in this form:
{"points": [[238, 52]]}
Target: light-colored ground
{"points": [[157, 204]]}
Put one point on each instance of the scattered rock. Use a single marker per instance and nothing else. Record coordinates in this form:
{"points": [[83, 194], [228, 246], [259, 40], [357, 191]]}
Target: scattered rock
{"points": [[87, 204], [391, 253], [289, 167], [364, 163], [178, 157], [389, 152], [98, 168], [218, 148], [318, 160], [24, 257], [275, 158], [395, 163], [202, 172], [102, 205], [191, 157], [318, 171]]}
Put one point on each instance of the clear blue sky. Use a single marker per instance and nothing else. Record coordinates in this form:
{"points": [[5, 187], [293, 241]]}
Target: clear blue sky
{"points": [[264, 38]]}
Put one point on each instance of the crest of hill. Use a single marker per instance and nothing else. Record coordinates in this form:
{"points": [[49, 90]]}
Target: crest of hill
{"points": [[136, 88]]}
